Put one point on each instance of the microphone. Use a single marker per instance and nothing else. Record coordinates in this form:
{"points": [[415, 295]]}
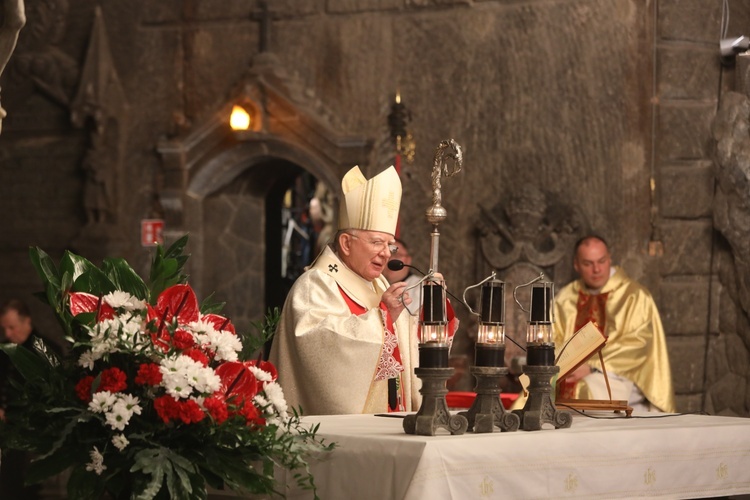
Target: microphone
{"points": [[397, 265]]}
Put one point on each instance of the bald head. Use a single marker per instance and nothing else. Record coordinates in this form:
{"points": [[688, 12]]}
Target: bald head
{"points": [[592, 261]]}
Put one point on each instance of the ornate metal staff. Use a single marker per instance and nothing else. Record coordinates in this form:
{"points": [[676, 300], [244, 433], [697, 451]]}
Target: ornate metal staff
{"points": [[433, 339]]}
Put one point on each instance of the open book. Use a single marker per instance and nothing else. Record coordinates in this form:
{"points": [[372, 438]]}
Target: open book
{"points": [[581, 346]]}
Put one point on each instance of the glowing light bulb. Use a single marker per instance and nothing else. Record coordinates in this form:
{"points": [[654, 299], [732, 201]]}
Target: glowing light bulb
{"points": [[239, 119]]}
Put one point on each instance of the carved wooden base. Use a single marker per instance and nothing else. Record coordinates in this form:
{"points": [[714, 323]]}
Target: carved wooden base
{"points": [[434, 414], [488, 411], [539, 408]]}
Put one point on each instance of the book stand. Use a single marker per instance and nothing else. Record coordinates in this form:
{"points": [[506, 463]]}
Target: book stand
{"points": [[597, 404]]}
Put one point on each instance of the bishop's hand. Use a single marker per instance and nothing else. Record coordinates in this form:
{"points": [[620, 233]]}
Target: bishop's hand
{"points": [[392, 298]]}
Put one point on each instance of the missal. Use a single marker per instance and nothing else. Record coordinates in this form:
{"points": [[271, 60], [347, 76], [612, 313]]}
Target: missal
{"points": [[581, 346]]}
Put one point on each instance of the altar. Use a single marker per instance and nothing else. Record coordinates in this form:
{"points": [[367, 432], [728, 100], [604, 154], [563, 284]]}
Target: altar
{"points": [[672, 456]]}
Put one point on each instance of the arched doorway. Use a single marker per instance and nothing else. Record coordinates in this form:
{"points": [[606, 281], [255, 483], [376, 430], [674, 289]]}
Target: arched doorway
{"points": [[296, 229], [258, 236]]}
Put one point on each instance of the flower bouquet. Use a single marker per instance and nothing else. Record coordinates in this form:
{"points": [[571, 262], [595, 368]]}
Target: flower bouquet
{"points": [[157, 397]]}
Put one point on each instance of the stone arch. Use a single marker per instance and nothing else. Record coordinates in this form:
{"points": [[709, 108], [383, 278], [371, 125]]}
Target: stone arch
{"points": [[219, 182], [232, 213]]}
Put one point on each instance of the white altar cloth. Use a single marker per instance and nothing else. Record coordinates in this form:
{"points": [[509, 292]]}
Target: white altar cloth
{"points": [[680, 456]]}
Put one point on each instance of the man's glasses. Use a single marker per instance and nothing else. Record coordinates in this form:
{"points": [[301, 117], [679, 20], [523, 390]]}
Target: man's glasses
{"points": [[377, 244]]}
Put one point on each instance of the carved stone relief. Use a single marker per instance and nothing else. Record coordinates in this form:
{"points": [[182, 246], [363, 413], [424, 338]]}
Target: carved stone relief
{"points": [[99, 105], [533, 226], [39, 59], [530, 233]]}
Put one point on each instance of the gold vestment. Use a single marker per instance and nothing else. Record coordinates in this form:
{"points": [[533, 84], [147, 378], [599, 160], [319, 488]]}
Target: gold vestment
{"points": [[328, 358], [636, 347]]}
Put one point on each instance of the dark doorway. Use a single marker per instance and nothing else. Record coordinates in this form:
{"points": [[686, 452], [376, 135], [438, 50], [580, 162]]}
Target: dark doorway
{"points": [[298, 221]]}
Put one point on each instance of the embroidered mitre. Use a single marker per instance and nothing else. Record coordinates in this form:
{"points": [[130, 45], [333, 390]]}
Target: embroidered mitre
{"points": [[370, 205]]}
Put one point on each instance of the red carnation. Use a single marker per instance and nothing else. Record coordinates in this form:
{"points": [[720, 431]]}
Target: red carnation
{"points": [[167, 408], [217, 408], [148, 374], [197, 356], [113, 380], [251, 414], [183, 340], [83, 388], [190, 411]]}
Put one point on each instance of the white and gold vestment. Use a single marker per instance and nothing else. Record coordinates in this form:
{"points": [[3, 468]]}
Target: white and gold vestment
{"points": [[331, 361], [636, 347]]}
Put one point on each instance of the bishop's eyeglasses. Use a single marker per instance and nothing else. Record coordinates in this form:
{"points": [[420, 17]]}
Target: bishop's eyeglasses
{"points": [[377, 244]]}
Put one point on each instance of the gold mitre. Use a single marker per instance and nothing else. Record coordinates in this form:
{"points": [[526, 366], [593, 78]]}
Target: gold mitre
{"points": [[370, 205]]}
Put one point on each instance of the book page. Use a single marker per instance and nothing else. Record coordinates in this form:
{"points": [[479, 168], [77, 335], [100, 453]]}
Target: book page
{"points": [[579, 348]]}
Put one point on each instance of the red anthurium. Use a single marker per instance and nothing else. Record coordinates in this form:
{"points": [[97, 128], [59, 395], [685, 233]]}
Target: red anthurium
{"points": [[180, 301], [220, 323], [266, 366], [238, 384], [81, 302], [159, 333]]}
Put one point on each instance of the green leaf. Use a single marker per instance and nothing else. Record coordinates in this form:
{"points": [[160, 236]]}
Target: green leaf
{"points": [[177, 248], [75, 264], [29, 365], [162, 464], [125, 278], [208, 306], [44, 266], [166, 268], [93, 281]]}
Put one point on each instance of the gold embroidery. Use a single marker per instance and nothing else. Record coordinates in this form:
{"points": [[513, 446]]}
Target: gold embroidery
{"points": [[571, 483], [722, 471], [649, 477], [391, 204], [486, 487]]}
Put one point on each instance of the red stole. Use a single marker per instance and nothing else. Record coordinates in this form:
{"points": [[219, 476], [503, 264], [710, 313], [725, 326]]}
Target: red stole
{"points": [[389, 333], [590, 308]]}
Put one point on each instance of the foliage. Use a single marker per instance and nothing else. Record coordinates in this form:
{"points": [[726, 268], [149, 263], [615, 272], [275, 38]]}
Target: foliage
{"points": [[158, 396]]}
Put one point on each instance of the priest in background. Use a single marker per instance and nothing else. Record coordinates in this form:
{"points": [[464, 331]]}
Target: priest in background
{"points": [[635, 355], [344, 343]]}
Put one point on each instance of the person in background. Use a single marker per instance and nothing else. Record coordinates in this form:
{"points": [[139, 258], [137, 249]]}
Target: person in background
{"points": [[15, 319], [635, 355], [406, 275]]}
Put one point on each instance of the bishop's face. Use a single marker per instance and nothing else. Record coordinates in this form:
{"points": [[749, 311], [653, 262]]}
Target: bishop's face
{"points": [[593, 263], [365, 252]]}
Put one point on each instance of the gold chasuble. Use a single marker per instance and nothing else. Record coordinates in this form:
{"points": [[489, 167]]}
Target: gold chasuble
{"points": [[636, 347], [331, 361]]}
